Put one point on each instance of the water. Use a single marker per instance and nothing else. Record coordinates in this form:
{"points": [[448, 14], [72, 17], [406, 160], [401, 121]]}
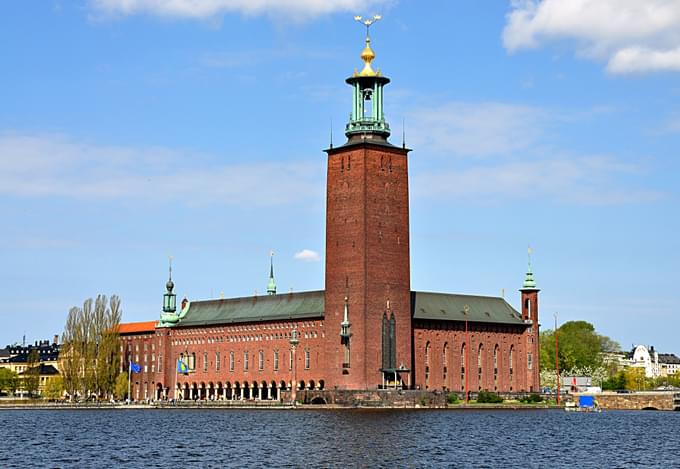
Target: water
{"points": [[208, 438]]}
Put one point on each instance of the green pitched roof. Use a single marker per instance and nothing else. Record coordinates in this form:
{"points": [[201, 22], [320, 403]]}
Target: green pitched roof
{"points": [[451, 307], [255, 308], [425, 305]]}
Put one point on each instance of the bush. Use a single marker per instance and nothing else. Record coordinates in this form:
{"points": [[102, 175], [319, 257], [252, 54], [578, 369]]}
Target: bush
{"points": [[485, 397], [532, 399], [452, 398]]}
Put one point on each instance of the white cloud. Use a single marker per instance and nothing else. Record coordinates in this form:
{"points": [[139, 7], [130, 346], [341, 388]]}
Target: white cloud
{"points": [[307, 255], [55, 165], [476, 129], [629, 35], [295, 10], [589, 180]]}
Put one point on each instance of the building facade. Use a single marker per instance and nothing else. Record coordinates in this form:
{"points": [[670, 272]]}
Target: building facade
{"points": [[367, 329]]}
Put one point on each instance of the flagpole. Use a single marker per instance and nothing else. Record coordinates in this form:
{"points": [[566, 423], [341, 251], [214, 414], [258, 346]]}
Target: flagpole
{"points": [[129, 374], [174, 391]]}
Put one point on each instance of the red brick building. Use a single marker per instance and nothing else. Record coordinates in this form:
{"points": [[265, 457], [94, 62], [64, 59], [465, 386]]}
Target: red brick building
{"points": [[367, 329]]}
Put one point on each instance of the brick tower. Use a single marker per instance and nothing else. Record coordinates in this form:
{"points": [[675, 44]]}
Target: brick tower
{"points": [[530, 315], [367, 300]]}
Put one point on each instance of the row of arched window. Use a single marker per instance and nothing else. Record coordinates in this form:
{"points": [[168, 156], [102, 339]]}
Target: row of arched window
{"points": [[190, 360], [464, 363]]}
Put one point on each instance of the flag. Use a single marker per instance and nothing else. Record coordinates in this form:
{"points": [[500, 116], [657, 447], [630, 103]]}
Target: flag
{"points": [[182, 367], [135, 368]]}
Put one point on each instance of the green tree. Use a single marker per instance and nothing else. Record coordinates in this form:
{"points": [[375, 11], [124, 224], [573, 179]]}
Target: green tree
{"points": [[90, 358], [121, 386], [54, 389], [9, 381], [579, 347], [31, 377]]}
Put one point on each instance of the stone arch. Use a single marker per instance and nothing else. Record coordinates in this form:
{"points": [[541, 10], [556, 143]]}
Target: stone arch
{"points": [[237, 392], [322, 384], [202, 391], [301, 385], [311, 385], [283, 385], [274, 390], [319, 400], [220, 391], [159, 392]]}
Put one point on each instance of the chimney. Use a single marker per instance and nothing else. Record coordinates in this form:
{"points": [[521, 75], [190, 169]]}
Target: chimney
{"points": [[56, 339]]}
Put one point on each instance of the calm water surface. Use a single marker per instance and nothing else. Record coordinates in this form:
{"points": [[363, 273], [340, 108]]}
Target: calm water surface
{"points": [[337, 439]]}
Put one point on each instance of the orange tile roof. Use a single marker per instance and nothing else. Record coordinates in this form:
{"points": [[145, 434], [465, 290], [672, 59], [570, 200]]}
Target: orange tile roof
{"points": [[136, 327]]}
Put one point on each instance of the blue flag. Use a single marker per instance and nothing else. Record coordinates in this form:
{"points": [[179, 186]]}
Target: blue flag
{"points": [[135, 368], [182, 367]]}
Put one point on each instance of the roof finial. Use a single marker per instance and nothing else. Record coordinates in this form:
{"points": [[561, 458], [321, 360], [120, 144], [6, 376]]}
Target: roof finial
{"points": [[529, 282], [367, 55], [170, 285], [271, 286], [331, 132]]}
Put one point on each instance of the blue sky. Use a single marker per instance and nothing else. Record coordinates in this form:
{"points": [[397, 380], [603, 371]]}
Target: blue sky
{"points": [[131, 130]]}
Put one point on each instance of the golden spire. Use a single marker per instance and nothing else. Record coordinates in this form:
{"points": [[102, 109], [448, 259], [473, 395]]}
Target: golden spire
{"points": [[367, 55]]}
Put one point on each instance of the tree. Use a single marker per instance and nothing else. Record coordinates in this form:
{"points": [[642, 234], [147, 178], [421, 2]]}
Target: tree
{"points": [[121, 386], [90, 347], [54, 389], [9, 381], [31, 377], [579, 346]]}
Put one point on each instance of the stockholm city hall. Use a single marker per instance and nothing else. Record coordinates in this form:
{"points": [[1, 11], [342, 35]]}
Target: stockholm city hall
{"points": [[367, 330]]}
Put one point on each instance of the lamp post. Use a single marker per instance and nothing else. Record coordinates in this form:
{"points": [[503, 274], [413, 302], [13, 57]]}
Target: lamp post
{"points": [[294, 341], [466, 310], [557, 362]]}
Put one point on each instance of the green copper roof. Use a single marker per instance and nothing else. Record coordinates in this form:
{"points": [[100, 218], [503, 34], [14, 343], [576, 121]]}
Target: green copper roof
{"points": [[255, 308], [425, 305], [451, 307]]}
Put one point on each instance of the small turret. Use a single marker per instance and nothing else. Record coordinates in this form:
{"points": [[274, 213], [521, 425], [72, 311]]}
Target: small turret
{"points": [[169, 298], [271, 286]]}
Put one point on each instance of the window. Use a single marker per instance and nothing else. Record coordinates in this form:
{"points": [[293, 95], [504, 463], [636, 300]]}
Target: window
{"points": [[160, 360], [231, 361], [217, 361], [529, 361], [276, 360], [445, 361], [307, 359], [205, 361], [427, 365], [245, 360], [192, 361], [261, 360], [510, 361]]}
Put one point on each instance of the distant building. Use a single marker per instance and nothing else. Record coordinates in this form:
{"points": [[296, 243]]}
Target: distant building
{"points": [[15, 357], [654, 364]]}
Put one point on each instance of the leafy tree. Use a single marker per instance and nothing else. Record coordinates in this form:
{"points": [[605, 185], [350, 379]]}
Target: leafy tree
{"points": [[120, 388], [90, 359], [54, 389], [9, 380], [31, 377], [579, 346], [635, 379], [615, 382]]}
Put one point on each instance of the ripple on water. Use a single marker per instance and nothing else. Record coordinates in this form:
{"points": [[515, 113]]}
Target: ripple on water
{"points": [[337, 439]]}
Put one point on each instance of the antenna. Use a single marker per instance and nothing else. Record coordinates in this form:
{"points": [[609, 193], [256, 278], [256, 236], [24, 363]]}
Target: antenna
{"points": [[403, 132], [170, 267]]}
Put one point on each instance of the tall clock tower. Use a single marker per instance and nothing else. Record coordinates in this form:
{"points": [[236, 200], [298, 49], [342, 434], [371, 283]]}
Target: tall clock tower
{"points": [[367, 300]]}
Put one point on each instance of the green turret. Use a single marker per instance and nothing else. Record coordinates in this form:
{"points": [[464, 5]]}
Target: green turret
{"points": [[367, 119], [271, 286]]}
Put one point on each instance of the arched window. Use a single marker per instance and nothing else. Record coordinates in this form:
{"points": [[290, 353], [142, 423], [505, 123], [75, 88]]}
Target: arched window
{"points": [[231, 361], [479, 365], [307, 359], [217, 361], [276, 360], [445, 362], [245, 360], [495, 367], [427, 365], [260, 361], [463, 361]]}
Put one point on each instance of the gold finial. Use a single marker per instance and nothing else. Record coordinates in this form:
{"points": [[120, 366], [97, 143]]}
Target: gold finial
{"points": [[367, 55]]}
